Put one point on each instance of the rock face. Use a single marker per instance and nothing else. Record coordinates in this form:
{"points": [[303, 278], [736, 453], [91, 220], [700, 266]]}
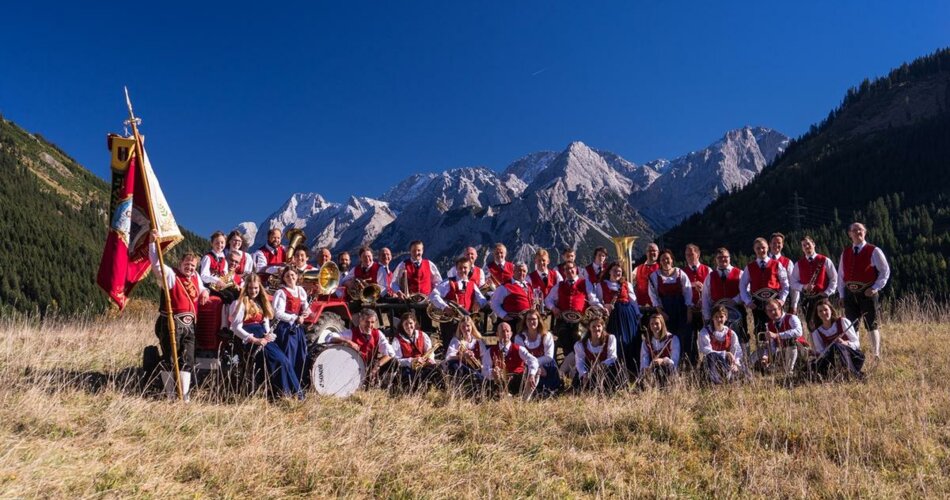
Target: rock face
{"points": [[575, 198]]}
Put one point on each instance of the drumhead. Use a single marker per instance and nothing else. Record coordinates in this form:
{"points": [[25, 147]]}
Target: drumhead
{"points": [[337, 371]]}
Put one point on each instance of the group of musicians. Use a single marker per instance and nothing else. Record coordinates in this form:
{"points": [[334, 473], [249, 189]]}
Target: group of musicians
{"points": [[593, 325]]}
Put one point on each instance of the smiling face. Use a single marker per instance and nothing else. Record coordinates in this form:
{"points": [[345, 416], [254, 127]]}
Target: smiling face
{"points": [[236, 242], [570, 271], [290, 278], [503, 332], [273, 238], [471, 253], [857, 232], [773, 310], [366, 258], [616, 273], [500, 253], [600, 257], [541, 262], [253, 289], [596, 329], [409, 325], [719, 319], [656, 325], [465, 329], [344, 261], [368, 323], [217, 244], [808, 246], [385, 256], [723, 260], [777, 244], [824, 313], [300, 259], [462, 268], [692, 255], [323, 256], [666, 262], [520, 272], [416, 251], [761, 249], [532, 321], [653, 252], [569, 256], [187, 266]]}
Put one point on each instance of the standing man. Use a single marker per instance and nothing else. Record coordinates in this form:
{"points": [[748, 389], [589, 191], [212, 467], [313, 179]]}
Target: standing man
{"points": [[462, 292], [862, 273], [764, 279], [594, 272], [814, 278], [722, 288], [475, 273], [696, 272], [499, 270], [776, 244], [641, 279], [416, 277], [574, 295]]}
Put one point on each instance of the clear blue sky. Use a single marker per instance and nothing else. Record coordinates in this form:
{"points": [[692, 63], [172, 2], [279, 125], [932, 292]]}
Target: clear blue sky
{"points": [[259, 100]]}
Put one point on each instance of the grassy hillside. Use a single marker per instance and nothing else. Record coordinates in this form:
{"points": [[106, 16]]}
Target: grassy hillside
{"points": [[881, 157], [73, 424], [54, 215]]}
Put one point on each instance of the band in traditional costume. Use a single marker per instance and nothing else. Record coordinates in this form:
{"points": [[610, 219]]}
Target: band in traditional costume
{"points": [[813, 278], [290, 310], [862, 273], [511, 367], [617, 296]]}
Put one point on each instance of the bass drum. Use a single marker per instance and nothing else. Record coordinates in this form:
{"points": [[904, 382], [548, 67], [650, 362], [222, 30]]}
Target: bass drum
{"points": [[337, 370]]}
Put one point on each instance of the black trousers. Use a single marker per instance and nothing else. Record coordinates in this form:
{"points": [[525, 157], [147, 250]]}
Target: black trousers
{"points": [[567, 335], [184, 339], [857, 304]]}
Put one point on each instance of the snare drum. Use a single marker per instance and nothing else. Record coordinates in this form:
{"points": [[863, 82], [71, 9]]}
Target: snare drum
{"points": [[337, 370]]}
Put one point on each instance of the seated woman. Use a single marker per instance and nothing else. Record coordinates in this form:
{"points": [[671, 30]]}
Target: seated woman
{"points": [[250, 321], [595, 358], [660, 357], [836, 344], [463, 357], [540, 344], [721, 350], [416, 357], [512, 369], [290, 310]]}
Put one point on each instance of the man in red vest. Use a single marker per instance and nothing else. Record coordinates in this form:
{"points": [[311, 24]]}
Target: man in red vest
{"points": [[414, 279], [475, 273], [270, 253], [697, 272], [594, 272], [513, 299], [641, 280], [814, 278], [572, 295], [764, 279], [499, 270], [542, 280], [862, 273], [511, 367], [187, 292], [463, 293], [722, 288], [366, 339]]}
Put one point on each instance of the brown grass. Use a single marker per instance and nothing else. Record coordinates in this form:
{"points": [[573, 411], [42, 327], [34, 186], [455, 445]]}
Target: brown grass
{"points": [[74, 424]]}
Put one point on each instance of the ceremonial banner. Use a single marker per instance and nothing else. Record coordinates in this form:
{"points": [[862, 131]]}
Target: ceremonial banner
{"points": [[125, 256]]}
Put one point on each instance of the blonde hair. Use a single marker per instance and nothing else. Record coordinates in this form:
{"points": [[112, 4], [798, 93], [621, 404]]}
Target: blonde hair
{"points": [[260, 304], [475, 333]]}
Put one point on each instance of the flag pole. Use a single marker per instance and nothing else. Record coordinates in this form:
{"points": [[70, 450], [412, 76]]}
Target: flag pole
{"points": [[140, 152]]}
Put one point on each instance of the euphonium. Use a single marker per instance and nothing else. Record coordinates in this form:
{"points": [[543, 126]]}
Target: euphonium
{"points": [[355, 290]]}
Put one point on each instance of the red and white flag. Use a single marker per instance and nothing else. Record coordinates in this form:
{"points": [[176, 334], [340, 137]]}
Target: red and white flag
{"points": [[125, 256]]}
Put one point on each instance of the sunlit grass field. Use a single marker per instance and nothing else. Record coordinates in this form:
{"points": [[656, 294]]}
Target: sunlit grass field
{"points": [[75, 423]]}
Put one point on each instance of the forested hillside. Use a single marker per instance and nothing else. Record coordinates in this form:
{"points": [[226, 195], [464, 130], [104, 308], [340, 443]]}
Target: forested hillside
{"points": [[53, 225], [881, 157]]}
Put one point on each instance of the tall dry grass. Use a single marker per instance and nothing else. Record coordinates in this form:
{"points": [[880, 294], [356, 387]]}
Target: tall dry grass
{"points": [[74, 423]]}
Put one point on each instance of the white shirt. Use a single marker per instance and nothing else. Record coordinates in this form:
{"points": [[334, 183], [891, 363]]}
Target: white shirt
{"points": [[547, 340], [877, 260], [744, 282], [452, 352], [706, 297], [658, 346], [498, 297], [582, 347], [401, 270], [705, 345], [797, 284], [204, 268], [551, 300], [850, 337], [795, 327], [237, 322], [403, 359], [615, 287], [280, 302], [656, 278], [260, 262], [789, 268], [438, 294], [383, 348], [531, 362], [248, 260]]}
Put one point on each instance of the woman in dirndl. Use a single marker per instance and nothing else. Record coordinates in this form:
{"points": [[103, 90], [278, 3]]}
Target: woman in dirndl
{"points": [[250, 321], [672, 294], [617, 295], [290, 310]]}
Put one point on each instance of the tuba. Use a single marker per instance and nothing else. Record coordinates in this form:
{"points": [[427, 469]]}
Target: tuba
{"points": [[624, 247], [295, 239]]}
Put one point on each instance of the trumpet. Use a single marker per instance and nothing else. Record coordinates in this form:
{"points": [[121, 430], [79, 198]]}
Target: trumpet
{"points": [[470, 361], [418, 363]]}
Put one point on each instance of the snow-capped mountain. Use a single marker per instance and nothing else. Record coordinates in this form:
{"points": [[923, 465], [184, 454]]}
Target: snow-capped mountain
{"points": [[335, 225], [687, 184], [578, 197]]}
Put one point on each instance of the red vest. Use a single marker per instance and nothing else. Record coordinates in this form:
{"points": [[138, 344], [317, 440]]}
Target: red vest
{"points": [[839, 332], [461, 297], [702, 270], [786, 325], [784, 261], [592, 276], [273, 258], [808, 269], [217, 265], [572, 298], [537, 351], [591, 357], [518, 298], [545, 285], [184, 295], [255, 319], [673, 289], [513, 361], [763, 278], [475, 274], [501, 274], [623, 295], [664, 352], [239, 270], [412, 349], [642, 285], [859, 267], [367, 343], [368, 275], [293, 305], [720, 346], [724, 289], [419, 280]]}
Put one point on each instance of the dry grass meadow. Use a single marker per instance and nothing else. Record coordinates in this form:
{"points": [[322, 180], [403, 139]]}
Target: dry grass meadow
{"points": [[73, 423]]}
